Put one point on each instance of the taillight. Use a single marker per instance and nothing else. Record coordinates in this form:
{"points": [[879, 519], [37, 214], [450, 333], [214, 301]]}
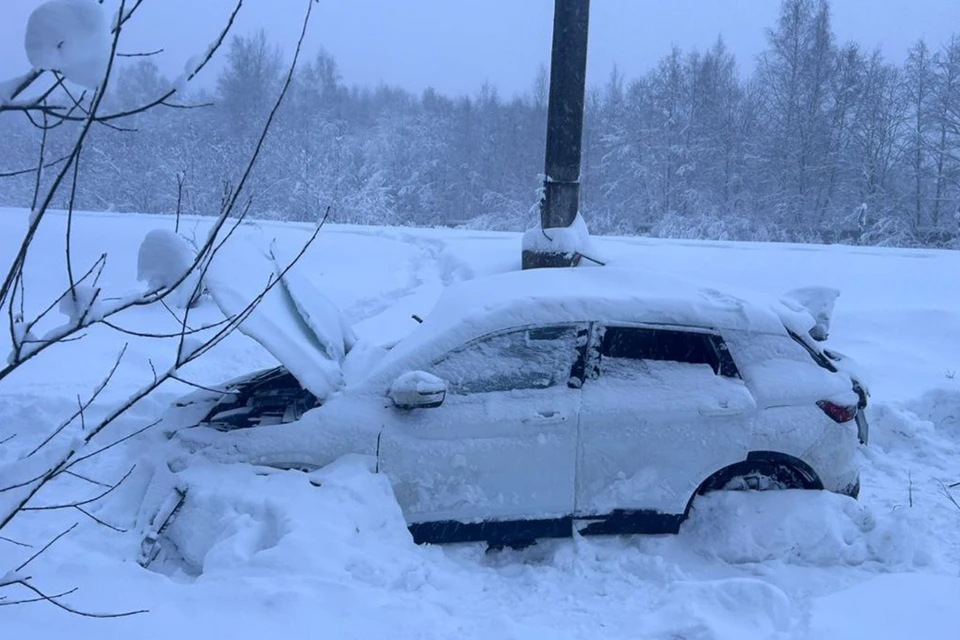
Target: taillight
{"points": [[838, 412]]}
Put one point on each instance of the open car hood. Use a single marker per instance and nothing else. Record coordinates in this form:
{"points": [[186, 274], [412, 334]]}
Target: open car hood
{"points": [[294, 321], [818, 302]]}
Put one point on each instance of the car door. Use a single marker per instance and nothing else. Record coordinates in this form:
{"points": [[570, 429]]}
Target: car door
{"points": [[662, 408], [502, 446]]}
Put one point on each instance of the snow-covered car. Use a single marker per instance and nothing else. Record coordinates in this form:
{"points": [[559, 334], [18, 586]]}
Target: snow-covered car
{"points": [[538, 403]]}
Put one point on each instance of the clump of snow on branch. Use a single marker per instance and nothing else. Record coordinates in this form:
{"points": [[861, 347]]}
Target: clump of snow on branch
{"points": [[72, 37], [81, 304], [163, 259], [571, 240]]}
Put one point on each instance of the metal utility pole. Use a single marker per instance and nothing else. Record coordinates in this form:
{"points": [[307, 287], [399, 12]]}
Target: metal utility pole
{"points": [[568, 71]]}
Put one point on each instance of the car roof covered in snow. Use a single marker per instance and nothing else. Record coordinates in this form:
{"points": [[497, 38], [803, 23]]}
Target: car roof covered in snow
{"points": [[474, 308]]}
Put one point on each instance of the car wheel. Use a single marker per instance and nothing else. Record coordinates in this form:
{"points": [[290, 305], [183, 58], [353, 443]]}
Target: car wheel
{"points": [[761, 477]]}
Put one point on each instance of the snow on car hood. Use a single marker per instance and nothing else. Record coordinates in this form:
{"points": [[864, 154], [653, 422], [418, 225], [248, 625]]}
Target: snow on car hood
{"points": [[296, 323]]}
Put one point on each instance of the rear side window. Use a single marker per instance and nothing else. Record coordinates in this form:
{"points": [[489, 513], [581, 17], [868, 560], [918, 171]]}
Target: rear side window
{"points": [[668, 345]]}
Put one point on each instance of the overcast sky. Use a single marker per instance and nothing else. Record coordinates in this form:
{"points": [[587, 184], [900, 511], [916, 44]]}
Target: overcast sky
{"points": [[456, 45]]}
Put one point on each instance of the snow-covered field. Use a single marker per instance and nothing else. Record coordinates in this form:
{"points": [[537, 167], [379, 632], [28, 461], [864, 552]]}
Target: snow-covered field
{"points": [[328, 555]]}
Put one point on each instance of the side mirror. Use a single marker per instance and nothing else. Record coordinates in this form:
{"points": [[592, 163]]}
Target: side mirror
{"points": [[417, 390]]}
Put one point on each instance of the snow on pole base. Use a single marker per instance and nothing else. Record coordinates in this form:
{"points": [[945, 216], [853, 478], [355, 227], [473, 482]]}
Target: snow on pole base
{"points": [[558, 247], [72, 37]]}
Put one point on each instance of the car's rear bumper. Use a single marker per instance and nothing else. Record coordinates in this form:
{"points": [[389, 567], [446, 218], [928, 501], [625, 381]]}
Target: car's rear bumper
{"points": [[863, 428], [852, 489]]}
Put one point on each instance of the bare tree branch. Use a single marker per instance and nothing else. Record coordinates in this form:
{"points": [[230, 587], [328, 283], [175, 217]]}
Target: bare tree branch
{"points": [[26, 347], [27, 80], [162, 100], [38, 213]]}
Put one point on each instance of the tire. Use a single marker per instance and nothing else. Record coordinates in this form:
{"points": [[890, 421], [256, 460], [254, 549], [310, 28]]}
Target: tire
{"points": [[763, 476]]}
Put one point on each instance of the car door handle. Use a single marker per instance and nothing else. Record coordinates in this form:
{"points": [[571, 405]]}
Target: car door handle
{"points": [[547, 416], [718, 411]]}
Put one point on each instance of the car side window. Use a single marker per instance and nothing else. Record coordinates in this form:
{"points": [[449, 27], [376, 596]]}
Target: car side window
{"points": [[622, 347], [529, 358]]}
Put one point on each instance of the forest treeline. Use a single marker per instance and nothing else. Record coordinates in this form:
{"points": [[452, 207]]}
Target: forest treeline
{"points": [[823, 142]]}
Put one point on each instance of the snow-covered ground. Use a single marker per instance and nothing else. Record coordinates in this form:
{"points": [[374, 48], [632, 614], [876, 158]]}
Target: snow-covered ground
{"points": [[327, 555]]}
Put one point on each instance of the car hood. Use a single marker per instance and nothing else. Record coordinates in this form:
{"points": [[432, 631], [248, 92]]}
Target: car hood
{"points": [[293, 320]]}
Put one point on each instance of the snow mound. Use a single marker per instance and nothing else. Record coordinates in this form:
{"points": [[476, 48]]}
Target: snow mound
{"points": [[718, 609], [907, 431], [72, 37], [942, 408], [340, 521], [163, 258], [809, 528]]}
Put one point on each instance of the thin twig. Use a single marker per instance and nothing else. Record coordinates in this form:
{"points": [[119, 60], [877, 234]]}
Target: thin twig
{"points": [[144, 54], [8, 603], [80, 476], [80, 503], [201, 387], [96, 393], [162, 336], [113, 444], [53, 600], [69, 232], [16, 542], [45, 547], [23, 172], [948, 494], [39, 178], [98, 520]]}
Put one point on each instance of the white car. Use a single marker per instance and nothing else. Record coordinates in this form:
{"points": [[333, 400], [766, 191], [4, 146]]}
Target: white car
{"points": [[536, 403]]}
